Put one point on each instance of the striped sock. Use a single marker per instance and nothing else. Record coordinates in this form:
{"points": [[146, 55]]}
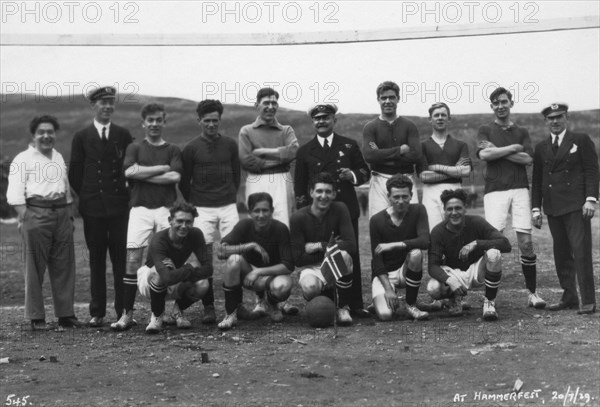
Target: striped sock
{"points": [[158, 294], [492, 282], [413, 282], [130, 290], [528, 264], [344, 289]]}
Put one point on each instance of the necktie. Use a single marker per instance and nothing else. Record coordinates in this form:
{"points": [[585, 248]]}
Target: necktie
{"points": [[326, 144], [555, 145], [104, 138]]}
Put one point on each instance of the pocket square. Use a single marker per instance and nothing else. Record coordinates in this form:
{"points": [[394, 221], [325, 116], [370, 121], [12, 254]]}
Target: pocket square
{"points": [[573, 149]]}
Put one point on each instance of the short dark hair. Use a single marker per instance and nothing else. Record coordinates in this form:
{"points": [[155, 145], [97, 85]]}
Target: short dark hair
{"points": [[500, 91], [263, 92], [322, 178], [152, 108], [438, 105], [209, 106], [399, 181], [449, 194], [36, 121], [388, 85], [257, 197], [182, 206]]}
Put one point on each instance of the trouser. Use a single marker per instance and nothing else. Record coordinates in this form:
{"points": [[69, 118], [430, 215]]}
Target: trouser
{"points": [[572, 241], [48, 242], [102, 234], [356, 300]]}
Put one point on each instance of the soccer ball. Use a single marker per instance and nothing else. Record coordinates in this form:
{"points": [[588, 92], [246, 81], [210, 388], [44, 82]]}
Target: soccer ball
{"points": [[320, 312]]}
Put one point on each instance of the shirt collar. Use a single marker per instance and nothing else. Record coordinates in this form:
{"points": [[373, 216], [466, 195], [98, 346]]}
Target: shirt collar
{"points": [[99, 126], [322, 139], [260, 122], [561, 136], [33, 150]]}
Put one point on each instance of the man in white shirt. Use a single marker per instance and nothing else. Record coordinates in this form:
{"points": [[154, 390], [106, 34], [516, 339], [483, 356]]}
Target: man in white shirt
{"points": [[38, 189]]}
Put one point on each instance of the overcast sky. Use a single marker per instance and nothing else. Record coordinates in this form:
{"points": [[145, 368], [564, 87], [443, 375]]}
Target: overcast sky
{"points": [[539, 68]]}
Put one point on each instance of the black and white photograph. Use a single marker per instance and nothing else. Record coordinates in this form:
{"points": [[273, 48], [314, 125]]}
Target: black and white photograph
{"points": [[300, 203]]}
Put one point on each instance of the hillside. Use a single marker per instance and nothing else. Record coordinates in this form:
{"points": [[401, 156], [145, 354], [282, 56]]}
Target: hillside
{"points": [[17, 110]]}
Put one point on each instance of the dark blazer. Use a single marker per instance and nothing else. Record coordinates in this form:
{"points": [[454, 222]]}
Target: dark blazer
{"points": [[312, 159], [96, 171], [562, 183]]}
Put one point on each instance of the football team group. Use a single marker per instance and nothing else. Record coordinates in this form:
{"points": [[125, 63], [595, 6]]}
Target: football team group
{"points": [[129, 204]]}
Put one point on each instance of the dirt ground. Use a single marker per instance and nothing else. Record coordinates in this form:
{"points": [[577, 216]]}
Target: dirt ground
{"points": [[551, 358]]}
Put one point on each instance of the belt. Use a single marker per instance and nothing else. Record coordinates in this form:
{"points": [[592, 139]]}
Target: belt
{"points": [[41, 203]]}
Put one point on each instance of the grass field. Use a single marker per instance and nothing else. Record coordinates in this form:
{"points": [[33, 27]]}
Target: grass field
{"points": [[401, 363]]}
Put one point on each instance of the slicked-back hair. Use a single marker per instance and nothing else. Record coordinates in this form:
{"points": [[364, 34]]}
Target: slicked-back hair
{"points": [[152, 108], [399, 181], [257, 197], [36, 121], [263, 92], [438, 105], [182, 206], [322, 178], [500, 91], [209, 106], [388, 85], [449, 194]]}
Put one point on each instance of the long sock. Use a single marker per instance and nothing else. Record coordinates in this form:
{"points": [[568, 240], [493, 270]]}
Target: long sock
{"points": [[528, 264], [413, 282], [158, 295], [492, 282], [344, 289], [233, 297], [130, 290], [209, 298]]}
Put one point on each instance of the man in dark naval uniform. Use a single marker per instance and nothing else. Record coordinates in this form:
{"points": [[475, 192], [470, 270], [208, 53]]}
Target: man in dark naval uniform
{"points": [[341, 157], [96, 175]]}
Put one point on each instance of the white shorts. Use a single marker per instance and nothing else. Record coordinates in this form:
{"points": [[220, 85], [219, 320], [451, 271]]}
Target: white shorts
{"points": [[219, 220], [397, 279], [378, 194], [143, 222], [174, 292], [144, 275], [468, 279], [433, 203], [498, 204], [279, 186], [312, 271]]}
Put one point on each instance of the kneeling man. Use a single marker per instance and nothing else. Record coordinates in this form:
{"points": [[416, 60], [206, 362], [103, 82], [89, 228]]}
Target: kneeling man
{"points": [[259, 258], [398, 234], [472, 250], [167, 271], [311, 229]]}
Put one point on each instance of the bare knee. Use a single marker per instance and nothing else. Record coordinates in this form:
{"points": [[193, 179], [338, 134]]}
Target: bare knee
{"points": [[198, 290], [280, 287], [493, 261], [436, 289], [415, 260], [382, 311], [311, 287]]}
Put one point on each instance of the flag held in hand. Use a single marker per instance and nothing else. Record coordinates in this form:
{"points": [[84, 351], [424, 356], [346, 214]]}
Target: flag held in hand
{"points": [[334, 266]]}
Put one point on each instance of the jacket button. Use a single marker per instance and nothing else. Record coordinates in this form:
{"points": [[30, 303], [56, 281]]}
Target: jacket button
{"points": [[550, 186]]}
